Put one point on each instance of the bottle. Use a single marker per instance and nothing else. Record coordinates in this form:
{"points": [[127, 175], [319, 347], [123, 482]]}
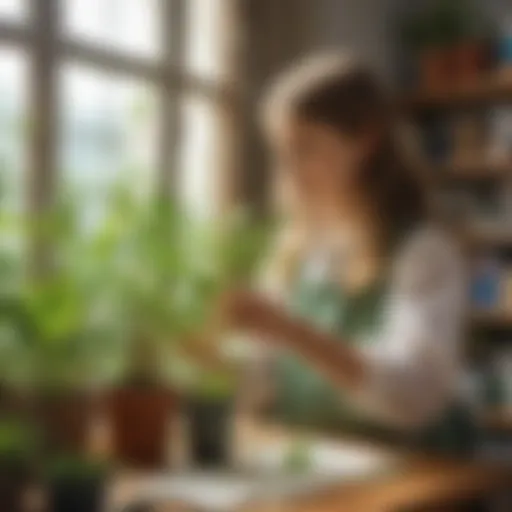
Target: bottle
{"points": [[486, 284], [505, 45]]}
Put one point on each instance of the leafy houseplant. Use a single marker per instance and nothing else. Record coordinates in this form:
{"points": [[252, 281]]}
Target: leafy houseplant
{"points": [[60, 345], [17, 453], [137, 250], [62, 361], [164, 272], [12, 349], [449, 41], [220, 257], [76, 484]]}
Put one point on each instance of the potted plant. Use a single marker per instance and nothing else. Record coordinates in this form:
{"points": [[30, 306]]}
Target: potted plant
{"points": [[470, 53], [430, 62], [447, 41], [76, 484], [12, 348], [139, 255], [17, 454], [221, 256], [163, 271], [13, 357], [426, 39], [209, 384], [210, 413], [64, 349]]}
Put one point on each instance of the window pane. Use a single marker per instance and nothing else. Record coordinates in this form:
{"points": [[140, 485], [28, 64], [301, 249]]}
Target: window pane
{"points": [[208, 37], [13, 118], [128, 25], [13, 10], [200, 155], [109, 126]]}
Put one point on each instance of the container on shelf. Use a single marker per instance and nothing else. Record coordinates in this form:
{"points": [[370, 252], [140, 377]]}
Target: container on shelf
{"points": [[505, 47], [435, 64], [436, 136], [486, 284], [500, 135], [500, 379], [469, 60], [470, 140], [494, 389], [507, 291], [505, 200]]}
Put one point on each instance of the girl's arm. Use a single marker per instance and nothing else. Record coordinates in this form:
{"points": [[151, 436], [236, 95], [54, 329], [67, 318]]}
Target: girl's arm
{"points": [[409, 374], [335, 359]]}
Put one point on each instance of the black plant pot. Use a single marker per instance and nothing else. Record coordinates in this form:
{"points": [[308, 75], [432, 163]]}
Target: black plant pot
{"points": [[77, 495], [210, 431], [14, 482]]}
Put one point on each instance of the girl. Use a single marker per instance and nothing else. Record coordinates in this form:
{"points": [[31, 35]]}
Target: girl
{"points": [[367, 294]]}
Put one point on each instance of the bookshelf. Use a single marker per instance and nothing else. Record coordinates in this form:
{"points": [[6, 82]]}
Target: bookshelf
{"points": [[478, 237], [497, 420], [474, 173], [492, 319], [486, 93]]}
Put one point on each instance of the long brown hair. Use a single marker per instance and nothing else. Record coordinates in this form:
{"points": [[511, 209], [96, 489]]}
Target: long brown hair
{"points": [[336, 91]]}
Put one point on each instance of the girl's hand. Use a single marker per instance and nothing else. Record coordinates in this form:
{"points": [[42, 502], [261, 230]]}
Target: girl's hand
{"points": [[248, 310]]}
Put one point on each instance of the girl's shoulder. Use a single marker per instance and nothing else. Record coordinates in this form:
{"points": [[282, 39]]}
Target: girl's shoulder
{"points": [[427, 257], [429, 238]]}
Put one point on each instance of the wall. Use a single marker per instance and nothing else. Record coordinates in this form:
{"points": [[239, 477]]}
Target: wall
{"points": [[365, 27], [277, 32]]}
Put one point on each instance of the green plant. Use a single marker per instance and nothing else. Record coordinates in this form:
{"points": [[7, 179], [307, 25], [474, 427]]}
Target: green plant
{"points": [[18, 443], [415, 33], [138, 263], [444, 23], [13, 349], [220, 255], [298, 457], [48, 323], [163, 270], [122, 292], [75, 467]]}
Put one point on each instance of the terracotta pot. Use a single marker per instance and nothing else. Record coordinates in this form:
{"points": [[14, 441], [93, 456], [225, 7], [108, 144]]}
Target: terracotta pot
{"points": [[435, 68], [66, 421], [468, 60], [140, 419]]}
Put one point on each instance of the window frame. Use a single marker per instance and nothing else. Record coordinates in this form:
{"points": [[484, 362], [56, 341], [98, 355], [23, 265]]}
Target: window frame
{"points": [[47, 46]]}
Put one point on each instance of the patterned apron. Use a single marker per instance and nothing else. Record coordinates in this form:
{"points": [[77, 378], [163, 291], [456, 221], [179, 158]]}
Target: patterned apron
{"points": [[306, 398]]}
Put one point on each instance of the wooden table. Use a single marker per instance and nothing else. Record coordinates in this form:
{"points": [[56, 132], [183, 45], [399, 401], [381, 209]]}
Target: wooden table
{"points": [[420, 484], [423, 485]]}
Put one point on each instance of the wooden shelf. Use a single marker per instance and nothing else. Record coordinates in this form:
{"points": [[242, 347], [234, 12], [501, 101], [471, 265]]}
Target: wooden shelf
{"points": [[498, 420], [483, 171], [488, 237], [487, 91], [492, 319]]}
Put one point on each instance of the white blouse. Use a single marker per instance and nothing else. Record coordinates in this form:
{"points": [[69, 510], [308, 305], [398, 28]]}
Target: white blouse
{"points": [[414, 365]]}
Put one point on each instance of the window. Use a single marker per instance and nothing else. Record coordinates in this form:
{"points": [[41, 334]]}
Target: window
{"points": [[13, 121], [207, 38], [13, 10], [131, 26], [200, 144], [119, 88], [108, 126]]}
